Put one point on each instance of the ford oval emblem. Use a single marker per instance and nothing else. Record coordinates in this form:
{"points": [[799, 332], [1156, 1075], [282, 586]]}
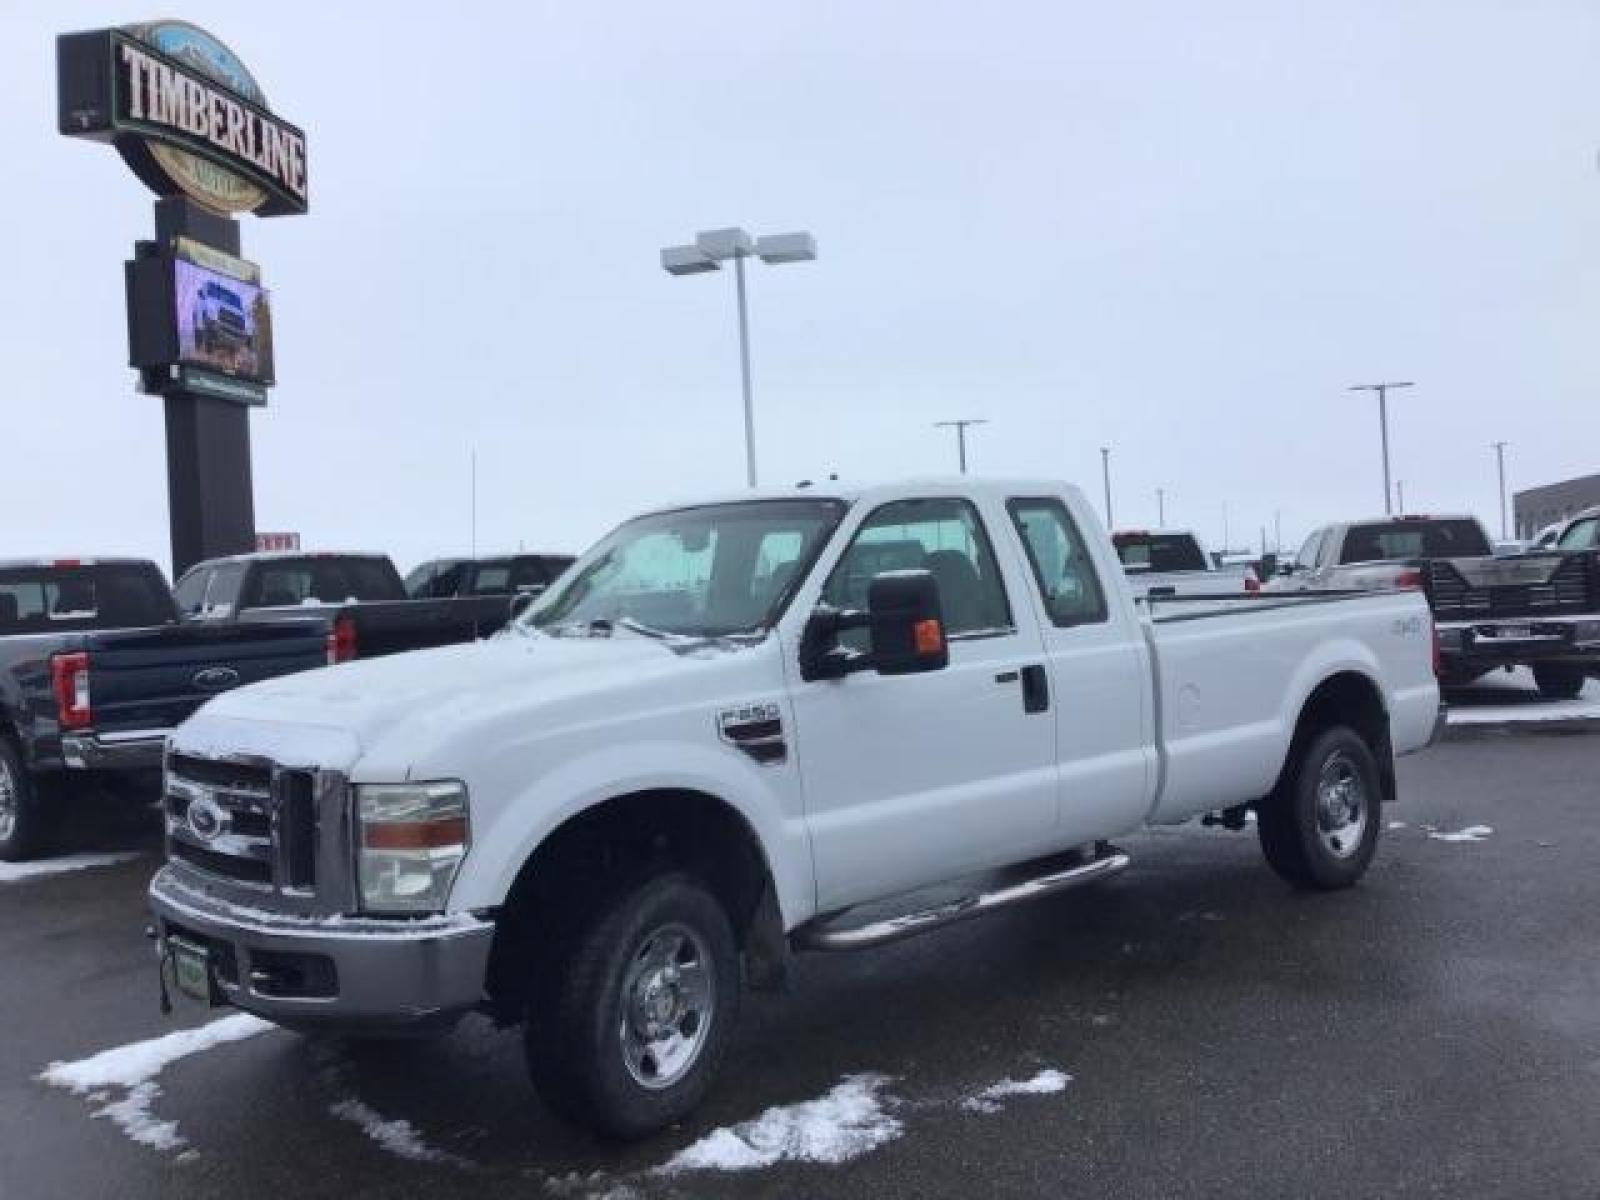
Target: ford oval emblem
{"points": [[206, 819], [216, 679]]}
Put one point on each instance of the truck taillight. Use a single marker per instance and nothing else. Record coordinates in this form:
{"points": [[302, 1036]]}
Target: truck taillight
{"points": [[342, 640], [69, 680], [1410, 581], [1438, 652]]}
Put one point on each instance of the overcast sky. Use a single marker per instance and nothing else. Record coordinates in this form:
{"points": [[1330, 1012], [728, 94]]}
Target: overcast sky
{"points": [[1179, 230]]}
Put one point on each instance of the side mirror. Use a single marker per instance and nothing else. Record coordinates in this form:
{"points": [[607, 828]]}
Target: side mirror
{"points": [[904, 624]]}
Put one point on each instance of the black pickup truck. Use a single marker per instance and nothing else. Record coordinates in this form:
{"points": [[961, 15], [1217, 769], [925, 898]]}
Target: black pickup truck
{"points": [[1539, 610], [96, 669], [499, 575], [361, 595]]}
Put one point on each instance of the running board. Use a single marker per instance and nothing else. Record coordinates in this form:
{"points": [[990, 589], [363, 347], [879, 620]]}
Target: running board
{"points": [[827, 935]]}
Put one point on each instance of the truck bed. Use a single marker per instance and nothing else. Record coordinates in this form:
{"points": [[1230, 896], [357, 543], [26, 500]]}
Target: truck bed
{"points": [[1232, 672]]}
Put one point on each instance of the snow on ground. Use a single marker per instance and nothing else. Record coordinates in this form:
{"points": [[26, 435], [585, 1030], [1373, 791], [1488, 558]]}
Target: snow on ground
{"points": [[1046, 1083], [134, 1067], [844, 1124], [1472, 833], [399, 1137], [1513, 696], [17, 872]]}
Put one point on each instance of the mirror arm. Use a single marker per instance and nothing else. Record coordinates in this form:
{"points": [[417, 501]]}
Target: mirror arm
{"points": [[821, 657]]}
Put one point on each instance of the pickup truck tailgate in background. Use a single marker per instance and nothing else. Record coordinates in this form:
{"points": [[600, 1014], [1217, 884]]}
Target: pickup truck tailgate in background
{"points": [[155, 678], [1534, 585]]}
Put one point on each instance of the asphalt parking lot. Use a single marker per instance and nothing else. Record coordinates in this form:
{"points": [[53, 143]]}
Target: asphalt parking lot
{"points": [[1189, 1029]]}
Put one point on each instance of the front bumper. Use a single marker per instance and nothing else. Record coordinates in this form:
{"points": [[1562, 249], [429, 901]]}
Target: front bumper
{"points": [[350, 973], [1513, 641], [137, 750]]}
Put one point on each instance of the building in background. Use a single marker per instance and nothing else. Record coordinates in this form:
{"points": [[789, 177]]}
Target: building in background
{"points": [[1537, 507]]}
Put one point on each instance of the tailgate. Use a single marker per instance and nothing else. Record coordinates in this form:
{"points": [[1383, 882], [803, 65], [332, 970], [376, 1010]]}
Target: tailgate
{"points": [[1526, 585], [155, 678]]}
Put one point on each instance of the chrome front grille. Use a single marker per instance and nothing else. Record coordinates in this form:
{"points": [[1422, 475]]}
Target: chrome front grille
{"points": [[247, 821]]}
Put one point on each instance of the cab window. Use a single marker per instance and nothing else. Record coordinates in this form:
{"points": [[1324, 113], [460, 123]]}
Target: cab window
{"points": [[1060, 561], [944, 537]]}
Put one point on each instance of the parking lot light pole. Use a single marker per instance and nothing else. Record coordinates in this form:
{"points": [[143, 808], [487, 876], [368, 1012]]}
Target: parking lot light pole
{"points": [[960, 426], [1383, 429], [1161, 508], [1105, 474], [1500, 462], [709, 251]]}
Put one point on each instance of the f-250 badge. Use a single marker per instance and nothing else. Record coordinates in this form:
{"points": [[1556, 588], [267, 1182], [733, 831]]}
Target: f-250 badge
{"points": [[757, 729]]}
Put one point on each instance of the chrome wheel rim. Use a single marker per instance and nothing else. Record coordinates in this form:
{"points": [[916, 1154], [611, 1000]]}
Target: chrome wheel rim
{"points": [[668, 1004], [8, 801], [1341, 806]]}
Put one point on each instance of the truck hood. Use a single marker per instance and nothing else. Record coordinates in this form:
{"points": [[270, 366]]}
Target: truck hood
{"points": [[430, 690]]}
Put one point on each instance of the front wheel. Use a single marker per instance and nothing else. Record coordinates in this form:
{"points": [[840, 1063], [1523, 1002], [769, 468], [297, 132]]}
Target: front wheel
{"points": [[1319, 830], [1558, 681], [629, 1024]]}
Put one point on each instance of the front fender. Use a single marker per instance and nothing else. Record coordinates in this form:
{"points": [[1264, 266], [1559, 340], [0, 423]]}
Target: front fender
{"points": [[505, 838]]}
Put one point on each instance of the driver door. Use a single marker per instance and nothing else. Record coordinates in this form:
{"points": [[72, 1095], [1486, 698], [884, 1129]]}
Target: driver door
{"points": [[914, 779]]}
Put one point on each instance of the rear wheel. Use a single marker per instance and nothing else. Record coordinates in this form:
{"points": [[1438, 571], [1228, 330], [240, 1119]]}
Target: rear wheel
{"points": [[1319, 830], [1558, 681], [21, 823], [630, 1019]]}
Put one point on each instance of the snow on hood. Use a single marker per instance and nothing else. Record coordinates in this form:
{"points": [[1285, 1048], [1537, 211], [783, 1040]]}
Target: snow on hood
{"points": [[366, 699]]}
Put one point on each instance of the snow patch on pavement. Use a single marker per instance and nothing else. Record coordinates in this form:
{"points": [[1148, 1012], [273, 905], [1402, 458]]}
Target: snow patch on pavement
{"points": [[1472, 833], [134, 1068], [399, 1137], [1046, 1083], [17, 872], [851, 1120]]}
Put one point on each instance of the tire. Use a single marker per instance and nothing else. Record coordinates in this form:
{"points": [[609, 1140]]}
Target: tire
{"points": [[1319, 829], [21, 822], [589, 1025], [1559, 681]]}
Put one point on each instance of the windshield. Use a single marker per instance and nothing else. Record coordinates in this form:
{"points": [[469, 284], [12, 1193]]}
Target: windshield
{"points": [[706, 572], [1581, 535], [1449, 538]]}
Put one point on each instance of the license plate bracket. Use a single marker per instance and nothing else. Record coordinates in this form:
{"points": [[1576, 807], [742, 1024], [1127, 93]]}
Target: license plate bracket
{"points": [[192, 971], [1509, 633]]}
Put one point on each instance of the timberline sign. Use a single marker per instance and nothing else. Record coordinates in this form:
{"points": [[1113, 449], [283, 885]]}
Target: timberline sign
{"points": [[185, 113]]}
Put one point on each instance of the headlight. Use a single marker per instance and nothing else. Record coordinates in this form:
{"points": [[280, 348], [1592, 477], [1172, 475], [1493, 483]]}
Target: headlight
{"points": [[412, 838]]}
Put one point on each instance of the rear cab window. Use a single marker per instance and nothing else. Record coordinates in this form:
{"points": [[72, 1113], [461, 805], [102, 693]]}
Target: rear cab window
{"points": [[50, 598], [283, 583], [1378, 541], [1160, 552]]}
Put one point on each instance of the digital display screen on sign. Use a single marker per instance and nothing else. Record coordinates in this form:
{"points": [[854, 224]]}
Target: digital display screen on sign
{"points": [[223, 324]]}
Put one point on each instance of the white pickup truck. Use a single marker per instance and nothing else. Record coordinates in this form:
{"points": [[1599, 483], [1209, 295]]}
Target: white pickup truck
{"points": [[728, 729], [1168, 563]]}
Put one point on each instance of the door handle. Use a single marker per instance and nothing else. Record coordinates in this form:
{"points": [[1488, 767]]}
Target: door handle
{"points": [[1035, 689]]}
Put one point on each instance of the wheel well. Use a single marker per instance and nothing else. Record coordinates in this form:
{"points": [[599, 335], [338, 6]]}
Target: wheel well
{"points": [[1353, 700], [609, 846]]}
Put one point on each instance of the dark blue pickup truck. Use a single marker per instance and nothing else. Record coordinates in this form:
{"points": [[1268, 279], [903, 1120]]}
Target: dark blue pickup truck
{"points": [[96, 668]]}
